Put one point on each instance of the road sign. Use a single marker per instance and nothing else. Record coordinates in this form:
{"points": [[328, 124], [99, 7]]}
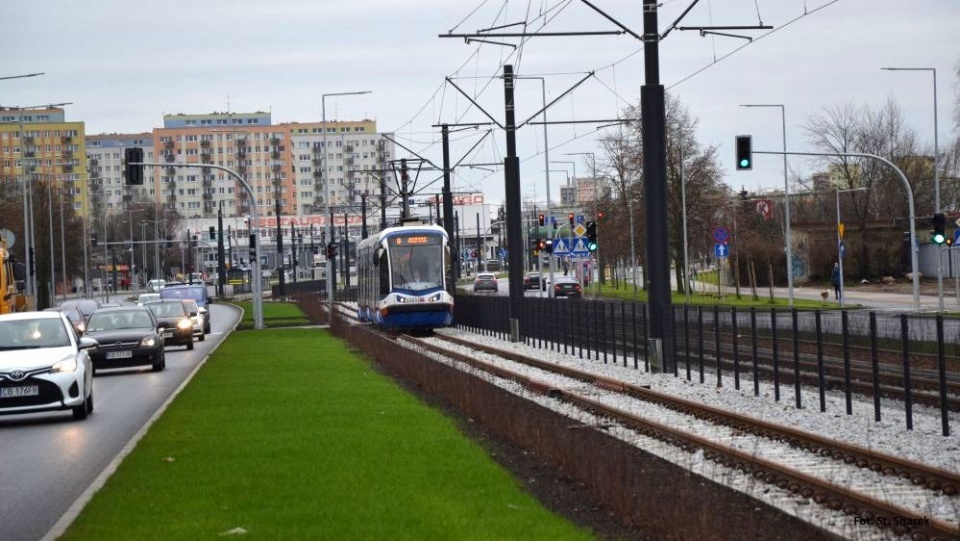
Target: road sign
{"points": [[721, 234], [721, 250], [840, 229], [956, 236], [843, 250]]}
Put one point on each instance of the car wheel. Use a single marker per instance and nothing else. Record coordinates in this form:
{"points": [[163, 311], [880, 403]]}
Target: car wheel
{"points": [[83, 410], [190, 344], [162, 363], [203, 337], [206, 328]]}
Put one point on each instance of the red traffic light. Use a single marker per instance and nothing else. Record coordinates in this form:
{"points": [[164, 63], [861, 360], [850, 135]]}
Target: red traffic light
{"points": [[541, 218], [600, 215], [570, 217]]}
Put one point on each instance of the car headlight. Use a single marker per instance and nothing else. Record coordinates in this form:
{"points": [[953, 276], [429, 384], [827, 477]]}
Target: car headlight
{"points": [[148, 341], [185, 324], [66, 365]]}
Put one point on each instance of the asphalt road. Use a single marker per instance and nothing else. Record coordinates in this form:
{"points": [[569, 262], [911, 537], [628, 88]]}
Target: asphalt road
{"points": [[48, 460]]}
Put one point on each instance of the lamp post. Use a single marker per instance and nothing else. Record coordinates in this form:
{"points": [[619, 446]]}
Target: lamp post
{"points": [[546, 163], [840, 249], [936, 175], [326, 178], [786, 200]]}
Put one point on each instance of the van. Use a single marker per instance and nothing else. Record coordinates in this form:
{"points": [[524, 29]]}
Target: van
{"points": [[197, 292]]}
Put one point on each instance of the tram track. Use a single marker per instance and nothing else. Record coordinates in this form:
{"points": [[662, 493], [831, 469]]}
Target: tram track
{"points": [[802, 463]]}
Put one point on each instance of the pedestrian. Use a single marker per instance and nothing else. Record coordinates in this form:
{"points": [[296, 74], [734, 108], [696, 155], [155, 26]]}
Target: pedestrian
{"points": [[835, 279]]}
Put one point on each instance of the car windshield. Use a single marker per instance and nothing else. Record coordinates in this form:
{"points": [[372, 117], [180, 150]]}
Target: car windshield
{"points": [[106, 321], [166, 309], [33, 334], [486, 277]]}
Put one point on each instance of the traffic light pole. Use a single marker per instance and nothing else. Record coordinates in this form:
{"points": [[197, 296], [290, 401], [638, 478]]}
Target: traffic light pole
{"points": [[256, 284], [914, 266]]}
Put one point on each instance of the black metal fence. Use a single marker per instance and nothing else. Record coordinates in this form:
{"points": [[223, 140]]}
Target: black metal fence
{"points": [[911, 358]]}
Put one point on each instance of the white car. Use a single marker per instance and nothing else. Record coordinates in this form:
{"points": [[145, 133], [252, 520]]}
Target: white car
{"points": [[144, 298], [44, 365], [154, 286]]}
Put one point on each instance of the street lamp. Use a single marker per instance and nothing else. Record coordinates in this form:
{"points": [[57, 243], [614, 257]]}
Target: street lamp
{"points": [[786, 193], [326, 178], [840, 249], [546, 159], [936, 175]]}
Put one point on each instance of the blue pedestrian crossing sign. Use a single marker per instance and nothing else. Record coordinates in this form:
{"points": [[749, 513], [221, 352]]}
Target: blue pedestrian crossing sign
{"points": [[575, 247], [721, 250]]}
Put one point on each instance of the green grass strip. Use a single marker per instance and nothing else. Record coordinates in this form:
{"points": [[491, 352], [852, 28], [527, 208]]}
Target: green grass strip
{"points": [[275, 314], [289, 435]]}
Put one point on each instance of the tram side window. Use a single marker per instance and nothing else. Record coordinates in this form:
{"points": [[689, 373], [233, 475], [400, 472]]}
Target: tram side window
{"points": [[384, 267]]}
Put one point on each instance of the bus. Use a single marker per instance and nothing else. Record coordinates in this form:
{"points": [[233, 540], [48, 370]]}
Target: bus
{"points": [[10, 299]]}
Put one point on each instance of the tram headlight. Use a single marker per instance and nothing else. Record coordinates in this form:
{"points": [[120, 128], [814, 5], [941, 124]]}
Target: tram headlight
{"points": [[435, 298]]}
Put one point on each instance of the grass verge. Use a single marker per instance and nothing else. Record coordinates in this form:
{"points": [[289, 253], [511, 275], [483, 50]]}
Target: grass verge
{"points": [[275, 314], [288, 435]]}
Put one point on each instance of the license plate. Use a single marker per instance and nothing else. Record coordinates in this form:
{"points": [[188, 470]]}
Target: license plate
{"points": [[13, 392], [126, 354], [167, 333]]}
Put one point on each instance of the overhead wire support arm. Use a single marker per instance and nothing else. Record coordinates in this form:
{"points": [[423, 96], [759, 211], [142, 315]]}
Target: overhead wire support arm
{"points": [[705, 32], [614, 21], [735, 27], [411, 151], [475, 40], [536, 34], [676, 22], [473, 101], [558, 98]]}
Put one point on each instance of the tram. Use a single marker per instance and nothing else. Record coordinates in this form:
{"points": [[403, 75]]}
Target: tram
{"points": [[401, 276]]}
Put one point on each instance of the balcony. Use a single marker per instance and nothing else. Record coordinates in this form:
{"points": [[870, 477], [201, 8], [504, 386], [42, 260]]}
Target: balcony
{"points": [[241, 142], [66, 139], [275, 141], [170, 158], [206, 158], [348, 148], [28, 140], [275, 154], [168, 144], [205, 143]]}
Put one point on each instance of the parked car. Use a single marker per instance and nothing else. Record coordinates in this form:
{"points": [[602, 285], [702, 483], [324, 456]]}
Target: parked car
{"points": [[173, 321], [86, 306], [486, 282], [196, 292], [44, 365], [566, 286], [196, 317], [533, 280], [74, 315], [126, 336]]}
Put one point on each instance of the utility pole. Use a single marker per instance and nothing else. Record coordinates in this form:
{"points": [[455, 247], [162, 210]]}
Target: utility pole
{"points": [[653, 115], [511, 177]]}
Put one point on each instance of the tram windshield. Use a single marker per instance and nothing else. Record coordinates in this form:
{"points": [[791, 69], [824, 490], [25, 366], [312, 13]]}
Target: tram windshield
{"points": [[416, 261]]}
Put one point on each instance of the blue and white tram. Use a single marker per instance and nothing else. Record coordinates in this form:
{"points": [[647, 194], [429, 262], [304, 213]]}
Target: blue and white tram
{"points": [[401, 275]]}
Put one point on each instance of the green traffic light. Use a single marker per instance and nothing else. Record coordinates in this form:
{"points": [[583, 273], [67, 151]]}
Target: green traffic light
{"points": [[744, 163], [592, 246], [938, 239]]}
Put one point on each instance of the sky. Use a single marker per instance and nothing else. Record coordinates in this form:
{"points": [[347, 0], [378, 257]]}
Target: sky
{"points": [[122, 65]]}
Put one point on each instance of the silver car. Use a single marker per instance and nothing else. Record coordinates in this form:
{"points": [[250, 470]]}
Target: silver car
{"points": [[44, 365]]}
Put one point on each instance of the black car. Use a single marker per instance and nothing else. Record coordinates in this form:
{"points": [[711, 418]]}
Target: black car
{"points": [[486, 281], [86, 306], [533, 280], [567, 287], [126, 336], [173, 321]]}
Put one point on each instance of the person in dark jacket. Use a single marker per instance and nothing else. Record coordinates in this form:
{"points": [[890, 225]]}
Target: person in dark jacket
{"points": [[835, 279]]}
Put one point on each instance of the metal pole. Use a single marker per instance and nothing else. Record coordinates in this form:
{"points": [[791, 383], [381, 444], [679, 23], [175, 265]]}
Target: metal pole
{"points": [[840, 250], [63, 248], [53, 276], [913, 218], [326, 178]]}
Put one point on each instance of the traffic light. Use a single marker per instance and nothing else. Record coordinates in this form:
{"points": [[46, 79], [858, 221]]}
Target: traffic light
{"points": [[570, 217], [331, 250], [744, 153], [542, 219], [133, 158], [939, 224], [599, 214], [948, 242], [213, 233], [548, 245], [592, 236], [541, 244], [534, 245]]}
